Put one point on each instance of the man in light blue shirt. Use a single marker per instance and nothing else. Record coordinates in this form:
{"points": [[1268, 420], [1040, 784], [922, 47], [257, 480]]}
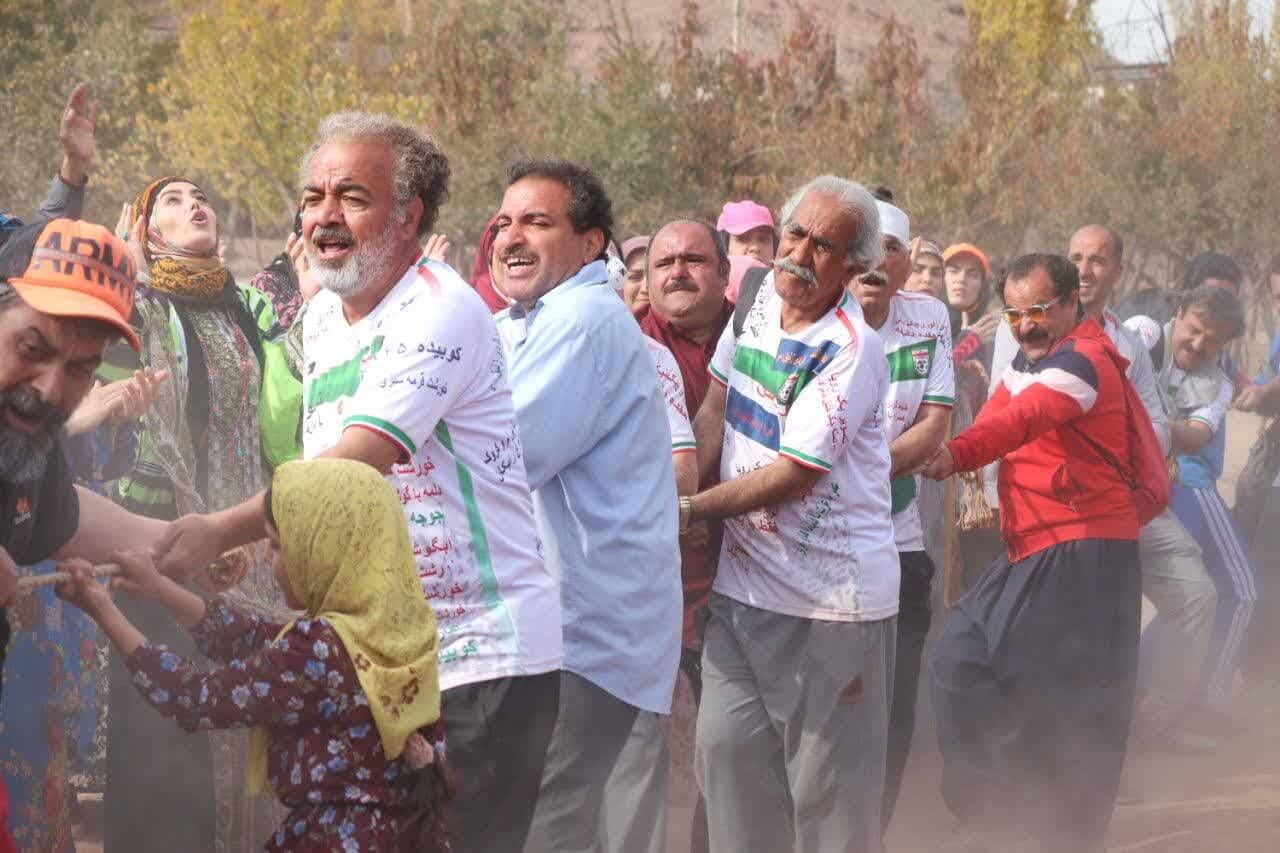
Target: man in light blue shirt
{"points": [[597, 450]]}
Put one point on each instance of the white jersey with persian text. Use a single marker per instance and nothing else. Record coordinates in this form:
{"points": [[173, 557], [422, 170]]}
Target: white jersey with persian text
{"points": [[816, 398], [425, 370], [672, 386], [917, 344]]}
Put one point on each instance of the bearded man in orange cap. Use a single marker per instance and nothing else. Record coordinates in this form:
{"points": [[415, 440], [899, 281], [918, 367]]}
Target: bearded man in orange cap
{"points": [[66, 291]]}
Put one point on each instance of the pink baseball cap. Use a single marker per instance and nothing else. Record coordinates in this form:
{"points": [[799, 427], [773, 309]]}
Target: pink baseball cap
{"points": [[739, 217], [635, 244]]}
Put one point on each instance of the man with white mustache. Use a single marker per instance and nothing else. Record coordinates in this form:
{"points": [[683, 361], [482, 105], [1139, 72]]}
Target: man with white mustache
{"points": [[798, 656]]}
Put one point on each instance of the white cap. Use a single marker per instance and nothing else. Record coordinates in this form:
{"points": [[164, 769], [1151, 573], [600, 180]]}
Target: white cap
{"points": [[894, 223]]}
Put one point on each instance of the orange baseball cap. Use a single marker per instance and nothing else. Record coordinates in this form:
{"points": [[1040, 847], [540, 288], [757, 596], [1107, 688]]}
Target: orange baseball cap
{"points": [[73, 268], [967, 249]]}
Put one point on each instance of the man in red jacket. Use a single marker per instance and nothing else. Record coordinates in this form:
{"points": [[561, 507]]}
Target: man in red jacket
{"points": [[1034, 674]]}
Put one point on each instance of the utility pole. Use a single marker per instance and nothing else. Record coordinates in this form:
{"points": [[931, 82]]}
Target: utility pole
{"points": [[737, 25]]}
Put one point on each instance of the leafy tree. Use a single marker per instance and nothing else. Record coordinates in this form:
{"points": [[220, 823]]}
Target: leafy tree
{"points": [[46, 47], [251, 81]]}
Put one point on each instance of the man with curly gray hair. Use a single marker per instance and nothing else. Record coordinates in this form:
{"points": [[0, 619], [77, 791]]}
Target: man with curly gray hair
{"points": [[798, 657], [403, 370], [353, 256]]}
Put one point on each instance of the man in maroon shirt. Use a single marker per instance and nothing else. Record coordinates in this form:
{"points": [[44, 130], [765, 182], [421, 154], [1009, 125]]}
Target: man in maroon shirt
{"points": [[688, 269]]}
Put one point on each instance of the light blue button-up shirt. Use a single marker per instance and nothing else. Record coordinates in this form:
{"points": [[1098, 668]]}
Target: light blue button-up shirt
{"points": [[597, 450]]}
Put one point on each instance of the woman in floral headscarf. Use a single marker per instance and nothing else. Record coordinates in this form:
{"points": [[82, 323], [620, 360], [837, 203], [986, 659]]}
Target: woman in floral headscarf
{"points": [[345, 700], [226, 417]]}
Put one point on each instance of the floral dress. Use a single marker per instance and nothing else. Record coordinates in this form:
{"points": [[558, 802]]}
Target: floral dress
{"points": [[325, 762], [49, 733]]}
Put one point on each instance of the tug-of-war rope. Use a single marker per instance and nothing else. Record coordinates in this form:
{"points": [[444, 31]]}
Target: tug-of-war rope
{"points": [[220, 575]]}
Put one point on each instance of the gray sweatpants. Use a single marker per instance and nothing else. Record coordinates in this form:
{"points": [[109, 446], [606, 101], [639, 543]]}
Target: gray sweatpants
{"points": [[792, 730], [591, 728], [1176, 581], [635, 798]]}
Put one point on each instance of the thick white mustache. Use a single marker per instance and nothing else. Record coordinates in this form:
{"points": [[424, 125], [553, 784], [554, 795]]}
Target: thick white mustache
{"points": [[796, 270]]}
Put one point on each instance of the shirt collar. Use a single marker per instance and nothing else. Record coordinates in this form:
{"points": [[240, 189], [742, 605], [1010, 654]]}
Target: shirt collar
{"points": [[1109, 323], [590, 274], [726, 311]]}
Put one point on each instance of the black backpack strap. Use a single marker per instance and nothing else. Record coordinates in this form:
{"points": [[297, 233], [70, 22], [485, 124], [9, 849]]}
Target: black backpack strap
{"points": [[1157, 352], [747, 291]]}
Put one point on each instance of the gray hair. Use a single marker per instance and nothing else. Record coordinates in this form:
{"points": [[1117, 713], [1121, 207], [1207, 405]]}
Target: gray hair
{"points": [[868, 248], [422, 170]]}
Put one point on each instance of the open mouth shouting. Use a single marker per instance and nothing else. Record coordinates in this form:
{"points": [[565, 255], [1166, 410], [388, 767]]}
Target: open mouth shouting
{"points": [[25, 412], [25, 422], [519, 265], [332, 246]]}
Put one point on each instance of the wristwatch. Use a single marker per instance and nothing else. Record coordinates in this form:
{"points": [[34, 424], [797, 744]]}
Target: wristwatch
{"points": [[686, 509]]}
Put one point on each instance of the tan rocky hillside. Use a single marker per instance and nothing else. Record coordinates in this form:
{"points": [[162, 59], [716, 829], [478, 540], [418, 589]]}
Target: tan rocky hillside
{"points": [[938, 25]]}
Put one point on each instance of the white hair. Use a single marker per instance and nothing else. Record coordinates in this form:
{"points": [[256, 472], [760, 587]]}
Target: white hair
{"points": [[867, 249]]}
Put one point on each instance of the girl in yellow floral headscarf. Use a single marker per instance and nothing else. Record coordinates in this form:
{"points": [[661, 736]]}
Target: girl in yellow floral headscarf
{"points": [[344, 700]]}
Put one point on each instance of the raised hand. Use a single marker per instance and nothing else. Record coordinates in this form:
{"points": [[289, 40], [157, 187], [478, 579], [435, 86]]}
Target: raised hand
{"points": [[296, 249], [985, 328], [438, 248], [116, 403], [133, 231], [79, 124]]}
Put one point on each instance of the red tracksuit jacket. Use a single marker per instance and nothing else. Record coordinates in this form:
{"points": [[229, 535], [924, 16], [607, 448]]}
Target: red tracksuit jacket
{"points": [[1054, 486]]}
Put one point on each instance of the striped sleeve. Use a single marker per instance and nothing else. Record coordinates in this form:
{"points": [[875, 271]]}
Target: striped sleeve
{"points": [[1041, 397], [1067, 372]]}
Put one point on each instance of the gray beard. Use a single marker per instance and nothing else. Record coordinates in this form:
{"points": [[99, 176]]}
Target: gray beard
{"points": [[370, 262], [23, 458]]}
